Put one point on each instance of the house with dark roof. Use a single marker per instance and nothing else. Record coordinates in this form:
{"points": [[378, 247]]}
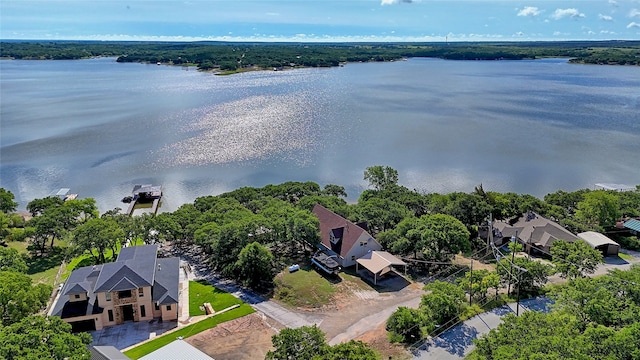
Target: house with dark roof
{"points": [[342, 239], [138, 286], [532, 230]]}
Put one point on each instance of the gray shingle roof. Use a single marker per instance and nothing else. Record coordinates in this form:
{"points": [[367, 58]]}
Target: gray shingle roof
{"points": [[79, 280], [165, 289], [135, 263]]}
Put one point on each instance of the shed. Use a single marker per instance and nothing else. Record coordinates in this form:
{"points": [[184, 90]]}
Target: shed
{"points": [[379, 263], [600, 242], [633, 225]]}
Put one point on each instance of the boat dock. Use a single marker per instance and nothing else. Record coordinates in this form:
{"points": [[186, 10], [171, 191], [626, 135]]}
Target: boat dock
{"points": [[144, 194]]}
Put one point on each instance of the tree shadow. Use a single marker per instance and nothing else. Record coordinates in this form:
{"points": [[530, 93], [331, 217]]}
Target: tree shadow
{"points": [[454, 341], [39, 264]]}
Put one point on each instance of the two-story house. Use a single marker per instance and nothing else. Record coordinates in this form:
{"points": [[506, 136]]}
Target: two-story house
{"points": [[343, 239], [138, 286]]}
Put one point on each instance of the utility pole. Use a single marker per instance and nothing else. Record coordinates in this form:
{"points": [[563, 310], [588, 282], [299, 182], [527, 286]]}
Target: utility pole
{"points": [[471, 283], [520, 272], [513, 254]]}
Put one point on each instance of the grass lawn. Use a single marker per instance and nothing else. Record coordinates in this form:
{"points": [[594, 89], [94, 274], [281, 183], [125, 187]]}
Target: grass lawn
{"points": [[187, 331], [201, 292], [304, 287], [625, 256]]}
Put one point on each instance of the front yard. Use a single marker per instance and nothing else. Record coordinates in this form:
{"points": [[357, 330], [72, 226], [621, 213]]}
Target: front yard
{"points": [[199, 293]]}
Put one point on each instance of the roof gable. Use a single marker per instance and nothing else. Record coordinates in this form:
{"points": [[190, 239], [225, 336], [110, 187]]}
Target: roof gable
{"points": [[332, 224], [113, 275], [136, 263]]}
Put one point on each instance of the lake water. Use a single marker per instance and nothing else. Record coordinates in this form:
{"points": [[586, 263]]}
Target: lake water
{"points": [[99, 127]]}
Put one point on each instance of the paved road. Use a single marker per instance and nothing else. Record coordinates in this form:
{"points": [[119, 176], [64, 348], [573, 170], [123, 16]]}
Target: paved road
{"points": [[457, 342]]}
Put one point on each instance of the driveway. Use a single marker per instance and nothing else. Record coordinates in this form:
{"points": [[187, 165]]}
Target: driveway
{"points": [[457, 342], [130, 333]]}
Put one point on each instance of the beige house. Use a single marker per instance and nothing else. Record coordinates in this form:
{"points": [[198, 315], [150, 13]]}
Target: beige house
{"points": [[138, 286]]}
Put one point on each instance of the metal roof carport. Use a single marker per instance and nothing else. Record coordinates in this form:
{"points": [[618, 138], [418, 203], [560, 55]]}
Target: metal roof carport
{"points": [[600, 242], [379, 263]]}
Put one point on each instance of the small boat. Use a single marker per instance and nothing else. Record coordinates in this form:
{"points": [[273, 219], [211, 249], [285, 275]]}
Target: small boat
{"points": [[127, 199]]}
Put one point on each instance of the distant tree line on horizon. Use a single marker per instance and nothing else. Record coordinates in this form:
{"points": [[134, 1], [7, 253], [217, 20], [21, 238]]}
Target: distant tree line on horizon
{"points": [[236, 56]]}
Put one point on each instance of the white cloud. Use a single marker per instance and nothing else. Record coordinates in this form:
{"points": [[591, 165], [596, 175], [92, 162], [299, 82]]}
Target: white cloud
{"points": [[529, 11], [391, 2], [633, 25], [634, 13], [607, 32], [557, 33], [613, 2], [605, 17], [570, 12]]}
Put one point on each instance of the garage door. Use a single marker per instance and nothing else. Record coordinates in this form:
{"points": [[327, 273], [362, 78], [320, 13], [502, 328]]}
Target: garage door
{"points": [[84, 325]]}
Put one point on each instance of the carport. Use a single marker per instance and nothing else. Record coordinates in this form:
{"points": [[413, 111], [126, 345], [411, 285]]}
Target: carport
{"points": [[600, 242], [379, 263]]}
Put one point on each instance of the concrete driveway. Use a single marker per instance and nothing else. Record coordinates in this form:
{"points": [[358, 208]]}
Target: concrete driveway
{"points": [[130, 333], [457, 342]]}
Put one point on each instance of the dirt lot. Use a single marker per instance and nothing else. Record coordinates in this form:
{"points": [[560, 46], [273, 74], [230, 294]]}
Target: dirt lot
{"points": [[246, 338], [359, 311]]}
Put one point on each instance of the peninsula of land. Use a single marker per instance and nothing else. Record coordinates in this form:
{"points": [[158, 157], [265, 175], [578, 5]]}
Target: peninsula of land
{"points": [[225, 58]]}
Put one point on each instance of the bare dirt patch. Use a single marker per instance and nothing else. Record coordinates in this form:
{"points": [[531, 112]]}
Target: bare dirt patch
{"points": [[379, 341], [246, 338]]}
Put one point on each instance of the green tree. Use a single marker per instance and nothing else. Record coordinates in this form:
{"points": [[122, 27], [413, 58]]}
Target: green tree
{"points": [[255, 266], [437, 237], [408, 325], [5, 221], [334, 190], [96, 236], [599, 209], [380, 214], [7, 203], [477, 282], [574, 259], [38, 206], [536, 276], [38, 337], [381, 177], [352, 350], [301, 343], [18, 298], [11, 260], [444, 301]]}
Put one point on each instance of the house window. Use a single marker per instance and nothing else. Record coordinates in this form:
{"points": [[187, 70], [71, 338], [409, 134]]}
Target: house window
{"points": [[353, 257], [157, 306], [77, 296], [124, 294], [168, 307], [140, 292], [361, 243], [110, 313], [108, 296], [143, 312]]}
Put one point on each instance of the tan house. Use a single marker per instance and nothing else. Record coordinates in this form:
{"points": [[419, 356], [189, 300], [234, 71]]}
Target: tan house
{"points": [[138, 286], [342, 239], [535, 232]]}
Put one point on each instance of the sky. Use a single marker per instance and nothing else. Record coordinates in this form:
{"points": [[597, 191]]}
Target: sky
{"points": [[321, 20]]}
